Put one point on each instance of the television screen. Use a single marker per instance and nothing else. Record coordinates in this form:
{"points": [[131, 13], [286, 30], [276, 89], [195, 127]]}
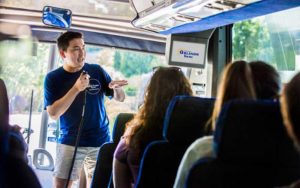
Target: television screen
{"points": [[187, 51]]}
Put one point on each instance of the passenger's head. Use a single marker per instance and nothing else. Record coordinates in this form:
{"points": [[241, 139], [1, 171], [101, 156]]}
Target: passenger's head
{"points": [[236, 83], [64, 39], [165, 83], [290, 108], [4, 109], [266, 80], [4, 115]]}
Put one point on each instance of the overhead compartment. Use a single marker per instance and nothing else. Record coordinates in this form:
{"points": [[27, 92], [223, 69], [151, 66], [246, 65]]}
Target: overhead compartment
{"points": [[165, 16]]}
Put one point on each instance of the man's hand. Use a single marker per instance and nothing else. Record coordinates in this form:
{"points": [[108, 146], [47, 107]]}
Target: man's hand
{"points": [[82, 82], [116, 84]]}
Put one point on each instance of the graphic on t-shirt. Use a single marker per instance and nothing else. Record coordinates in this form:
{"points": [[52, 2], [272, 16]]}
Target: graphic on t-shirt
{"points": [[94, 87]]}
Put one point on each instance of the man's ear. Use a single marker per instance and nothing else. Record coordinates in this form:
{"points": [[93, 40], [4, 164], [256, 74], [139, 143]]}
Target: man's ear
{"points": [[62, 54]]}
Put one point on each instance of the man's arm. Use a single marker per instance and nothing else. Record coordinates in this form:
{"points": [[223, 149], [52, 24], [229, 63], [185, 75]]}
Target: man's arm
{"points": [[61, 105], [117, 85]]}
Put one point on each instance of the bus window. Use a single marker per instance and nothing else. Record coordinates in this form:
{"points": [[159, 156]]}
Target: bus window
{"points": [[273, 38], [24, 67], [135, 67]]}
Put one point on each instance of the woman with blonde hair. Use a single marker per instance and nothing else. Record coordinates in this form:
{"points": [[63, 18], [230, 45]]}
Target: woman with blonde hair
{"points": [[236, 83], [147, 124]]}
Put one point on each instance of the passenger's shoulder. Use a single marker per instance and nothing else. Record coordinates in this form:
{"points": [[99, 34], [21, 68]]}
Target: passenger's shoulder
{"points": [[203, 140]]}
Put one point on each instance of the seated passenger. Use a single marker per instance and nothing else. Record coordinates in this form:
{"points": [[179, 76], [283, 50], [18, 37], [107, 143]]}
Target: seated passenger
{"points": [[266, 80], [17, 145], [266, 84], [17, 172], [290, 109], [236, 83], [147, 124]]}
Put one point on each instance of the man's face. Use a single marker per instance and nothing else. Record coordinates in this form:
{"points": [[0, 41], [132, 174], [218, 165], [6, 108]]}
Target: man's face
{"points": [[75, 54]]}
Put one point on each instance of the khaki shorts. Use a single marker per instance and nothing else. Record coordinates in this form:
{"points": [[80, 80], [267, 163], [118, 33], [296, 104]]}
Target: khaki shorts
{"points": [[86, 156]]}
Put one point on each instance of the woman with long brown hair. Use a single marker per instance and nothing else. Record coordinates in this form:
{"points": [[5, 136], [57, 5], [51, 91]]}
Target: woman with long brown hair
{"points": [[147, 124], [236, 83]]}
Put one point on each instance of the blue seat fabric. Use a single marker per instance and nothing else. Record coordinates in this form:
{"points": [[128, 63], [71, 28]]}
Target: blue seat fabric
{"points": [[103, 169], [252, 149], [184, 122]]}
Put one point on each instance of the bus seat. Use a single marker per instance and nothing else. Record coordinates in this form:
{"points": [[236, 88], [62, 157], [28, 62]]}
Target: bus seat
{"points": [[252, 149], [103, 170], [184, 122]]}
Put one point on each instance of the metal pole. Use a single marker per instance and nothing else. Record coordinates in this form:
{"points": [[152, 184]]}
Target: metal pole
{"points": [[44, 120], [29, 123]]}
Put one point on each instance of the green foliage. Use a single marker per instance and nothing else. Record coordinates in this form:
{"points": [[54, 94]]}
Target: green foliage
{"points": [[253, 40], [284, 51], [131, 63], [130, 91], [22, 71], [117, 60]]}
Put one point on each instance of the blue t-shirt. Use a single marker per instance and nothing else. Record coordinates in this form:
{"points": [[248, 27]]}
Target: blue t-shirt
{"points": [[95, 130]]}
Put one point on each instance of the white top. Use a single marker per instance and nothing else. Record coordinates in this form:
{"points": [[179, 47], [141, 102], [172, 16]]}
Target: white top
{"points": [[201, 148]]}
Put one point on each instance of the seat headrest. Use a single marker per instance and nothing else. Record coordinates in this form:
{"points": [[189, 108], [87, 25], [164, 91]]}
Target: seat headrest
{"points": [[252, 132], [119, 125], [185, 119]]}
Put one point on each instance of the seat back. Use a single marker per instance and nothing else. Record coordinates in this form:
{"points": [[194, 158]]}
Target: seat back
{"points": [[103, 169], [252, 132], [250, 142], [184, 122], [185, 119]]}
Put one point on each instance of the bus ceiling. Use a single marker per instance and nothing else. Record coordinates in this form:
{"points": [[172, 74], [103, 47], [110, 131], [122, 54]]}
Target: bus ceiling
{"points": [[186, 16], [115, 23], [108, 31]]}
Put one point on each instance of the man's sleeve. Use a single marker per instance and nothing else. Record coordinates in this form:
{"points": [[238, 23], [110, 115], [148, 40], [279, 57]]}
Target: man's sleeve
{"points": [[48, 92], [106, 80]]}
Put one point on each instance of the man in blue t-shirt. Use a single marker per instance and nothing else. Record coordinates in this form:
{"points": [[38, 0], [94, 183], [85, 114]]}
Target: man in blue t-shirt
{"points": [[67, 90]]}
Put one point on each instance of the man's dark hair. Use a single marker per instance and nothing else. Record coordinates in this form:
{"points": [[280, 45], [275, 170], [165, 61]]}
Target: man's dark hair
{"points": [[64, 39]]}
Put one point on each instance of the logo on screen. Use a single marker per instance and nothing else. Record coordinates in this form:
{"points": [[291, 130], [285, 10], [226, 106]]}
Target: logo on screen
{"points": [[188, 54]]}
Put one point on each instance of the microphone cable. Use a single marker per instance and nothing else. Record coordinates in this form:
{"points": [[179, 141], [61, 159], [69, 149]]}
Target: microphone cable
{"points": [[78, 137]]}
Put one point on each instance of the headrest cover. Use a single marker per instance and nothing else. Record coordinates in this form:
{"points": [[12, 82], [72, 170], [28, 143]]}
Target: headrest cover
{"points": [[252, 132], [185, 119], [119, 126]]}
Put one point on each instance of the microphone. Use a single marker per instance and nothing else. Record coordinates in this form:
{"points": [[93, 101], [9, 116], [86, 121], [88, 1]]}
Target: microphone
{"points": [[84, 73]]}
